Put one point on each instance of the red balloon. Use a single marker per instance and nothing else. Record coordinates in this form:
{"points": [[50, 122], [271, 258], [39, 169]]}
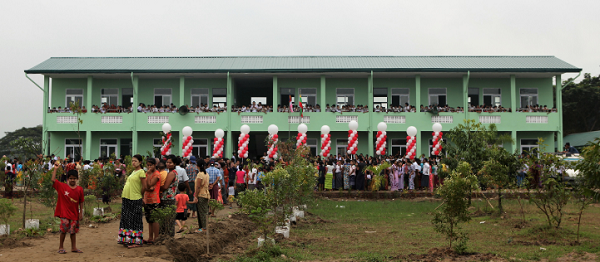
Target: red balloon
{"points": [[378, 133], [275, 136], [247, 136], [216, 139], [407, 138], [441, 133]]}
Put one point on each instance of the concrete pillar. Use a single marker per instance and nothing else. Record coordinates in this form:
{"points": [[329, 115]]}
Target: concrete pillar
{"points": [[88, 99], [559, 135], [45, 137], [87, 150], [371, 148], [275, 94], [417, 102], [513, 93], [134, 134], [323, 97], [228, 142], [513, 135], [181, 91]]}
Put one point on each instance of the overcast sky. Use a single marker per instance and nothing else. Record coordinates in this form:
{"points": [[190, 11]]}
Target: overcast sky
{"points": [[33, 31]]}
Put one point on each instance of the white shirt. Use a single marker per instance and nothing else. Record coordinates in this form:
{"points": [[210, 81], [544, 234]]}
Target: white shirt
{"points": [[252, 179], [181, 174], [86, 167], [231, 190], [426, 169]]}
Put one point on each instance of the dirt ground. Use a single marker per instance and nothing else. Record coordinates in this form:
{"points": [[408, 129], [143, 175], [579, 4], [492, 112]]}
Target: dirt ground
{"points": [[99, 243]]}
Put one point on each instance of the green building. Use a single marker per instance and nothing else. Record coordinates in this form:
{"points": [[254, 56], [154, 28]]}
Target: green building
{"points": [[387, 81]]}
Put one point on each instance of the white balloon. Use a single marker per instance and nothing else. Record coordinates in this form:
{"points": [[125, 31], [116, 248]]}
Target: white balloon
{"points": [[353, 125], [437, 127], [245, 129], [382, 126], [273, 129], [219, 133], [187, 131], [302, 128], [411, 131], [246, 155], [166, 128], [325, 129]]}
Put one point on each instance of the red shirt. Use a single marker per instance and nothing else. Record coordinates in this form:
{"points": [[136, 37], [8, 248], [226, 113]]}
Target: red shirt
{"points": [[182, 200], [153, 197], [67, 205]]}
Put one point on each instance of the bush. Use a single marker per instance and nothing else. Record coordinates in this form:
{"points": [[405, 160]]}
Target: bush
{"points": [[7, 210]]}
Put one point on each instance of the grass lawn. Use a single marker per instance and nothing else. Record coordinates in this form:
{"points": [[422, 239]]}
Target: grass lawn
{"points": [[379, 230]]}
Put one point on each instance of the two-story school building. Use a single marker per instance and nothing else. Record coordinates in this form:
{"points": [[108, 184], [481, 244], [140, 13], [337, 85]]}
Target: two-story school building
{"points": [[382, 83]]}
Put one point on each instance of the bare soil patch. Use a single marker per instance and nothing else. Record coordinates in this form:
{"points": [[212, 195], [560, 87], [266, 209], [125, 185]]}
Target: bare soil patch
{"points": [[446, 254]]}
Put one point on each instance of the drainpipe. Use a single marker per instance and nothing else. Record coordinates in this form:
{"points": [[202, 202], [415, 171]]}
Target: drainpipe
{"points": [[34, 83]]}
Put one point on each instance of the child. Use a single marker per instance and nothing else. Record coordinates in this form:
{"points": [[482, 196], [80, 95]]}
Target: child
{"points": [[68, 207], [182, 200], [231, 194]]}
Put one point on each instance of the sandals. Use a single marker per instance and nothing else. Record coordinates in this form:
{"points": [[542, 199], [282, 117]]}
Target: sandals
{"points": [[180, 231], [133, 246], [77, 251], [62, 251], [147, 242]]}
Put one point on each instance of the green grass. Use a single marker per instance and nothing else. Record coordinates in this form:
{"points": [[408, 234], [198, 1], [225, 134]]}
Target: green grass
{"points": [[403, 227]]}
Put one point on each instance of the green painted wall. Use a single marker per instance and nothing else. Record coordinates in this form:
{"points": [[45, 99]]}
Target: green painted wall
{"points": [[59, 87], [390, 83], [360, 89], [544, 86], [147, 86], [297, 83], [100, 83], [209, 83], [502, 83], [454, 90], [57, 142]]}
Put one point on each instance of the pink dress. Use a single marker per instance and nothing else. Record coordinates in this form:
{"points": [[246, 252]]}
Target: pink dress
{"points": [[395, 180]]}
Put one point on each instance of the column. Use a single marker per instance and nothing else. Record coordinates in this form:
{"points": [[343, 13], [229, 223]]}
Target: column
{"points": [[181, 91], [275, 94], [88, 99], [513, 93], [88, 145], [371, 149], [559, 135], [466, 95], [417, 103], [228, 145], [134, 134], [45, 137], [323, 94], [513, 135], [228, 142]]}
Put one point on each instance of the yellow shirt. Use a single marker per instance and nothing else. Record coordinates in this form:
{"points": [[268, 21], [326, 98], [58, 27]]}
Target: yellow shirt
{"points": [[133, 186], [202, 182], [163, 177]]}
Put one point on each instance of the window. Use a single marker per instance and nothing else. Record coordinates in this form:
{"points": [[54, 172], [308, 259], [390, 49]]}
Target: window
{"points": [[312, 144], [341, 147], [529, 145], [74, 96], [431, 147], [157, 144], [398, 147], [199, 96], [219, 97], [110, 96], [262, 100], [125, 148], [400, 96], [492, 96], [437, 96], [162, 97], [474, 96], [127, 96], [529, 97], [285, 94], [108, 147], [380, 98], [345, 96], [200, 148], [309, 96], [73, 148]]}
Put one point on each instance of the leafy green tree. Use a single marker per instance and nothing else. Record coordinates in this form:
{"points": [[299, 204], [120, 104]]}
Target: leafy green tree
{"points": [[499, 171], [7, 210], [33, 133], [588, 178], [579, 118]]}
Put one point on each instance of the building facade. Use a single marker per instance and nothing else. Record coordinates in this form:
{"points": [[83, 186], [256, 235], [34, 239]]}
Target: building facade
{"points": [[388, 82]]}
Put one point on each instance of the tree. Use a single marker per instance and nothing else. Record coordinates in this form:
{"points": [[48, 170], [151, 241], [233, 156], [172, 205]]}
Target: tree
{"points": [[33, 133], [498, 171], [588, 178], [579, 118]]}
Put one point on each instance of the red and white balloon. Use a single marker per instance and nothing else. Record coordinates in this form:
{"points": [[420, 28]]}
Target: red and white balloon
{"points": [[243, 141], [273, 139], [352, 138], [411, 142], [218, 143], [437, 138], [325, 141], [166, 140], [381, 139], [188, 142], [301, 137]]}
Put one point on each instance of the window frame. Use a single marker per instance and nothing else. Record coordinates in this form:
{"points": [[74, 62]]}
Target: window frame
{"points": [[192, 95], [312, 144], [344, 142], [218, 103], [70, 95], [337, 96], [483, 95], [530, 147], [305, 97], [109, 95], [163, 97], [381, 104], [116, 146], [401, 146], [536, 95], [437, 96], [400, 96], [73, 146]]}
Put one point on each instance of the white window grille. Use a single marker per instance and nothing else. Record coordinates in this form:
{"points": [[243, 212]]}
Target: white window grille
{"points": [[205, 119], [158, 119], [298, 120], [394, 119], [66, 119], [111, 120], [442, 119], [345, 119], [489, 119], [252, 119], [536, 120]]}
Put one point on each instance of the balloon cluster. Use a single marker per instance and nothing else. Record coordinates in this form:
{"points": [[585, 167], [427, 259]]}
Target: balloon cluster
{"points": [[352, 138], [437, 136], [218, 143], [325, 141], [166, 140], [411, 141], [381, 138], [243, 141], [301, 137], [188, 142], [273, 138]]}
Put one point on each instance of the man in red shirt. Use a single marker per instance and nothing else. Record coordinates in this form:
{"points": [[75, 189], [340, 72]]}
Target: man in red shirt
{"points": [[68, 207]]}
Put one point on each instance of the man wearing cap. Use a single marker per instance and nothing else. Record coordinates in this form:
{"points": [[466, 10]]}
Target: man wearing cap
{"points": [[214, 175]]}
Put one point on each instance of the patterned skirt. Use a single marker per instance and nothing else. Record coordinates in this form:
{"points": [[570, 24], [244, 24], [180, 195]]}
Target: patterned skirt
{"points": [[328, 181], [132, 226], [192, 207]]}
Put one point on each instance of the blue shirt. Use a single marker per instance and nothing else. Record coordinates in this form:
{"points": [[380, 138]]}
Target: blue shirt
{"points": [[260, 174], [573, 150], [213, 174]]}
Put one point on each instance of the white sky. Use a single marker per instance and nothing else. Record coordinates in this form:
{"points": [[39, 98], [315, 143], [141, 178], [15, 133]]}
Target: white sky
{"points": [[33, 31]]}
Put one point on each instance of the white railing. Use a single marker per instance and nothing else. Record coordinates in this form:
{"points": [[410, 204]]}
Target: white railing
{"points": [[442, 119], [490, 119], [536, 119], [158, 119], [345, 119], [394, 119], [205, 119], [111, 119], [298, 120], [66, 119], [252, 119]]}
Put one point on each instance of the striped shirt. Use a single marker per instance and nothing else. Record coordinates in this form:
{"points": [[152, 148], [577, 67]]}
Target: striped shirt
{"points": [[213, 174], [192, 172]]}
